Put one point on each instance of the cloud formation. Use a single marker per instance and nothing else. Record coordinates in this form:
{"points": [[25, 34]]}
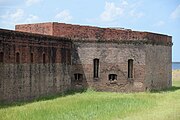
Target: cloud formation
{"points": [[111, 12], [114, 11], [31, 18], [11, 18], [159, 24], [133, 13], [64, 16], [31, 2], [176, 13]]}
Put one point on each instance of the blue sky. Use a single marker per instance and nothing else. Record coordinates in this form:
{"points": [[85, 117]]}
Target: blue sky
{"points": [[161, 16]]}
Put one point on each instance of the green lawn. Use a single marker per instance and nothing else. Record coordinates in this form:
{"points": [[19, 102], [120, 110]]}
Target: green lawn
{"points": [[91, 105]]}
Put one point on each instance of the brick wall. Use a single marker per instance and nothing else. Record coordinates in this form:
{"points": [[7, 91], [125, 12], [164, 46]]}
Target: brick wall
{"points": [[40, 28], [113, 59], [152, 65], [158, 67], [30, 79], [77, 32], [150, 52], [94, 33]]}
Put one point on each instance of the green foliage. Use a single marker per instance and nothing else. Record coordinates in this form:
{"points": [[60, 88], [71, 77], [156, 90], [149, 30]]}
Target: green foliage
{"points": [[91, 105]]}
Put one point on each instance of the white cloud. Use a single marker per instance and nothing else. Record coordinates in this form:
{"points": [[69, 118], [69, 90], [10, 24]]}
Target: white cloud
{"points": [[31, 2], [176, 13], [124, 2], [64, 16], [135, 14], [14, 16], [111, 12], [159, 24], [4, 2], [18, 16], [31, 18]]}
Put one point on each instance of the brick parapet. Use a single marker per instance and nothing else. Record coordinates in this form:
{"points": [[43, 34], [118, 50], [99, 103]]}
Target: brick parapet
{"points": [[40, 28], [89, 33]]}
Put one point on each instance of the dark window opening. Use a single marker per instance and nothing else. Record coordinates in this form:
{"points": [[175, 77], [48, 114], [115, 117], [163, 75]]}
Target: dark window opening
{"points": [[130, 68], [78, 77], [1, 57], [17, 57], [68, 55], [32, 58], [44, 58], [53, 55], [65, 56], [20, 89], [112, 77], [96, 68]]}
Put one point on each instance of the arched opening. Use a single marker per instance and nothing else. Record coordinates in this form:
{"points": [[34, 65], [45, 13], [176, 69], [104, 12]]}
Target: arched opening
{"points": [[17, 57], [130, 68], [112, 77], [1, 57], [96, 68]]}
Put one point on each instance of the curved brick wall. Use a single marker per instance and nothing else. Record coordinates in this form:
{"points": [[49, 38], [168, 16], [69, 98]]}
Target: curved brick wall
{"points": [[77, 32], [64, 52]]}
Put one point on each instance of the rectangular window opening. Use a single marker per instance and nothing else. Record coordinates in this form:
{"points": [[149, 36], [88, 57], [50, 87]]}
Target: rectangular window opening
{"points": [[96, 68], [44, 58], [68, 57], [130, 68], [112, 77], [17, 57], [1, 57], [32, 58], [78, 77], [63, 56]]}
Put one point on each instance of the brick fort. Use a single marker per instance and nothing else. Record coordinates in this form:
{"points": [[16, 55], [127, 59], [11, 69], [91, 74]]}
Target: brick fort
{"points": [[50, 58]]}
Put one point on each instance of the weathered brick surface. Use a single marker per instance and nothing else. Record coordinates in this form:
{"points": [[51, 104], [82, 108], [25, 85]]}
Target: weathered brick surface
{"points": [[40, 28], [113, 60], [27, 80], [78, 32], [158, 67], [71, 49], [152, 65]]}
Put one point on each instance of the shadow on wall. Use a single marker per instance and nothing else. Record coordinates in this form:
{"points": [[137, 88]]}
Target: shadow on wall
{"points": [[78, 77]]}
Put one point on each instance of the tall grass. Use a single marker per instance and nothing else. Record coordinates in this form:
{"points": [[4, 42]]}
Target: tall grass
{"points": [[91, 105]]}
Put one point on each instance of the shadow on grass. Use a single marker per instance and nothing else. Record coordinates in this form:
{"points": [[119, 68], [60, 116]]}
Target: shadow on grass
{"points": [[172, 89], [4, 104]]}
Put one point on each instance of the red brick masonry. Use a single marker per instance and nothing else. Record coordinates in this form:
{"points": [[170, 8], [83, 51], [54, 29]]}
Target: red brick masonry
{"points": [[78, 32], [49, 58]]}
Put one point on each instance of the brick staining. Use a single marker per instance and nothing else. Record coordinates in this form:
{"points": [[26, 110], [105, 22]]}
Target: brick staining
{"points": [[31, 78], [150, 54]]}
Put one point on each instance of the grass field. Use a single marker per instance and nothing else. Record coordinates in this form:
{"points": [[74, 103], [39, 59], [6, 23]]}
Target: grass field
{"points": [[91, 105]]}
